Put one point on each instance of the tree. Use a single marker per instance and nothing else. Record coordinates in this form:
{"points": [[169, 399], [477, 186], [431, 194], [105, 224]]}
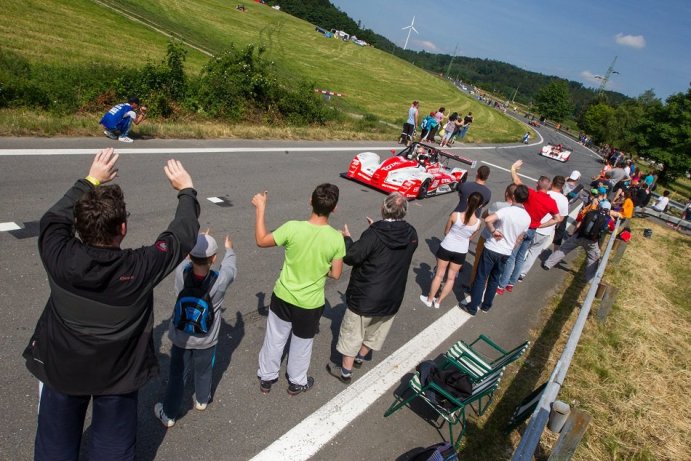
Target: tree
{"points": [[554, 100], [596, 122]]}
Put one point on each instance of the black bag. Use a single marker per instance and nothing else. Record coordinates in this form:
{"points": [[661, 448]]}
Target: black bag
{"points": [[594, 223], [194, 312], [443, 451], [454, 382]]}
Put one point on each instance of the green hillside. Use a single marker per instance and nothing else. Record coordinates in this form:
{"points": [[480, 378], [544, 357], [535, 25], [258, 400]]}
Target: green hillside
{"points": [[80, 32]]}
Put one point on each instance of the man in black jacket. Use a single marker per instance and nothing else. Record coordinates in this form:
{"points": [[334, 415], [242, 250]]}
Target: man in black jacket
{"points": [[94, 338], [380, 260]]}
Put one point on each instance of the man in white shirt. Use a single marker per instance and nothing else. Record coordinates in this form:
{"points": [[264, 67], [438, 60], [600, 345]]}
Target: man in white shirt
{"points": [[662, 202], [507, 227], [544, 235]]}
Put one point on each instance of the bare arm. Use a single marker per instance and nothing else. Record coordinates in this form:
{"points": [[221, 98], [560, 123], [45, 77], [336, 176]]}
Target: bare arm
{"points": [[263, 238], [336, 269], [489, 222], [141, 116], [449, 223], [514, 172]]}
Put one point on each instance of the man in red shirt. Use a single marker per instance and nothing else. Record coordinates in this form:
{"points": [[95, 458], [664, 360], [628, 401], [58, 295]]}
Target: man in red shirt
{"points": [[538, 205]]}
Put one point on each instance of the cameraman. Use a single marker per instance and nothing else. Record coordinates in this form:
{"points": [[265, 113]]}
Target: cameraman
{"points": [[120, 118]]}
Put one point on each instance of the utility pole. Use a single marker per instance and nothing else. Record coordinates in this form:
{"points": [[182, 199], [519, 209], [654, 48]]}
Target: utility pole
{"points": [[448, 69], [515, 93]]}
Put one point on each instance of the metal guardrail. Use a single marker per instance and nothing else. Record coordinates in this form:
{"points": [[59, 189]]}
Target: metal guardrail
{"points": [[538, 421]]}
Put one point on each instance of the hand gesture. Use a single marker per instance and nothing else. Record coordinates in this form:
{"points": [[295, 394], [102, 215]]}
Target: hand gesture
{"points": [[517, 165], [143, 109], [177, 175], [259, 200], [370, 221], [345, 231], [229, 243], [103, 168], [497, 235]]}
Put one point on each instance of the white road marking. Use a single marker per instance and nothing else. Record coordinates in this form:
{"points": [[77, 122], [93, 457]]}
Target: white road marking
{"points": [[215, 199], [507, 169], [304, 440], [9, 226]]}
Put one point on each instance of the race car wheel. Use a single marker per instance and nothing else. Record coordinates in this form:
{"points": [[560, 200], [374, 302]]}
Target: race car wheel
{"points": [[424, 187], [453, 186]]}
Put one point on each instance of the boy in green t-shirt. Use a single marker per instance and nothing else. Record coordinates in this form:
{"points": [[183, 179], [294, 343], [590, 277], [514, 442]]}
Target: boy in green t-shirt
{"points": [[313, 251]]}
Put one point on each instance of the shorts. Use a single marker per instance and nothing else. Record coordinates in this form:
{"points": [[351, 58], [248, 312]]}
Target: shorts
{"points": [[305, 322], [451, 256], [357, 330]]}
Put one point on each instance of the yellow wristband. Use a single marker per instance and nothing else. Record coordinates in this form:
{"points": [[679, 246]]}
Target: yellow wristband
{"points": [[93, 181]]}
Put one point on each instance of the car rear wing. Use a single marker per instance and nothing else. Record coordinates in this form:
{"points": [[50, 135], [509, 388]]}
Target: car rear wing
{"points": [[459, 158]]}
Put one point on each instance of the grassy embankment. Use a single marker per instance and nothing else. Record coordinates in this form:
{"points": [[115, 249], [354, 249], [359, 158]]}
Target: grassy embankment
{"points": [[631, 372], [377, 85]]}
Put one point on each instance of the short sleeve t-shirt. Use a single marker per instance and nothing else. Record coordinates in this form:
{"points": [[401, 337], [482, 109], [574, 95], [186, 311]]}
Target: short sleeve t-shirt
{"points": [[512, 222], [309, 251], [493, 208], [563, 207], [538, 205], [467, 188]]}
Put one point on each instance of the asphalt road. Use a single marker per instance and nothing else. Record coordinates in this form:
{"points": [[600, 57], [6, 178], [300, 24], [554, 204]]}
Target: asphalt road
{"points": [[241, 422]]}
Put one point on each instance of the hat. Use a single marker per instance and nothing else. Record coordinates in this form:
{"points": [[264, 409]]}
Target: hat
{"points": [[133, 100], [594, 191], [575, 175], [205, 248], [601, 190], [605, 205]]}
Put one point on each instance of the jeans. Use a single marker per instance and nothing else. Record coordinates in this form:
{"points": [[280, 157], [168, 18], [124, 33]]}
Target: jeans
{"points": [[124, 126], [182, 362], [515, 262], [489, 270], [61, 423], [463, 132], [591, 248]]}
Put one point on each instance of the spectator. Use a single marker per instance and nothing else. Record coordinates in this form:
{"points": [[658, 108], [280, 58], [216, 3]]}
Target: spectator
{"points": [[662, 202], [485, 234], [439, 116], [642, 198], [410, 124], [94, 338], [120, 118], [426, 126], [459, 230], [544, 235], [526, 137], [573, 187], [450, 128], [196, 350], [380, 260], [314, 251], [626, 209], [538, 205], [684, 215], [507, 227], [587, 236], [467, 121], [466, 188]]}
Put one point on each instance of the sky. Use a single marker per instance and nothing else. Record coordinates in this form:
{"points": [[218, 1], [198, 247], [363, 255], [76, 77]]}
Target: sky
{"points": [[576, 40]]}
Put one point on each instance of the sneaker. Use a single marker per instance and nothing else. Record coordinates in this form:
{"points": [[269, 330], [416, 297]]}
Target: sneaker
{"points": [[466, 300], [200, 406], [509, 288], [295, 389], [358, 362], [125, 139], [435, 303], [465, 308], [500, 291], [485, 310], [336, 372], [110, 134], [166, 421], [265, 386], [521, 278], [544, 266], [426, 301]]}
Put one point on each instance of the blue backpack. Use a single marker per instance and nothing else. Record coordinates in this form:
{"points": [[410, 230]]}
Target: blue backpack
{"points": [[194, 312]]}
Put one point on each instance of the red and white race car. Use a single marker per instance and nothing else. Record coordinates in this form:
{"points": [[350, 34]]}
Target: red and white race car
{"points": [[418, 171], [556, 152]]}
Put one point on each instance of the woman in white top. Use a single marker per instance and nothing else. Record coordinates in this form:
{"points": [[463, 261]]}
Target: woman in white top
{"points": [[459, 230]]}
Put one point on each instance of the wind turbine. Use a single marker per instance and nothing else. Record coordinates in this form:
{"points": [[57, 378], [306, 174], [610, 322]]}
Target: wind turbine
{"points": [[410, 27]]}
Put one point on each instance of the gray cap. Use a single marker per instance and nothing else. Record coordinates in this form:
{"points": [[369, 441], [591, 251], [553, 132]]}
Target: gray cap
{"points": [[206, 247], [605, 205]]}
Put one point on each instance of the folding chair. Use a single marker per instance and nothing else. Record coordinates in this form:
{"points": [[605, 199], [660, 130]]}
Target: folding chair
{"points": [[477, 365], [454, 410]]}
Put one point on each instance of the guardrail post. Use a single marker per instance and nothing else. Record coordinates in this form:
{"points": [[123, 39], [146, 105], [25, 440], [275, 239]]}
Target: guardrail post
{"points": [[619, 249], [570, 436], [607, 303]]}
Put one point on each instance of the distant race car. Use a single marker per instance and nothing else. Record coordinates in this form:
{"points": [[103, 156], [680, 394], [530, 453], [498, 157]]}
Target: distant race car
{"points": [[556, 152], [418, 171]]}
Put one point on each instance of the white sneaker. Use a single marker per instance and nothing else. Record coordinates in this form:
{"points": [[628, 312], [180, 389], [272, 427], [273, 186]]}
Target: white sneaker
{"points": [[110, 134], [125, 139], [466, 300], [200, 406], [425, 301], [166, 421], [435, 303]]}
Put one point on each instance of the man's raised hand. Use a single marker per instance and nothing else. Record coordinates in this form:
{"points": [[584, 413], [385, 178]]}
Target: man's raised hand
{"points": [[104, 168], [259, 200], [177, 175]]}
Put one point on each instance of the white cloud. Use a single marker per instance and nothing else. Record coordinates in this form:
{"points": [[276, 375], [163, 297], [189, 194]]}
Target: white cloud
{"points": [[590, 77], [634, 41], [427, 45]]}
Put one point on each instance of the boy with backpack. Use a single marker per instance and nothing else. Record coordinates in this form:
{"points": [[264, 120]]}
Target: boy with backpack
{"points": [[195, 325], [587, 235]]}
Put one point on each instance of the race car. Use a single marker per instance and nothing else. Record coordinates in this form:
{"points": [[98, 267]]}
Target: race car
{"points": [[556, 152], [417, 172]]}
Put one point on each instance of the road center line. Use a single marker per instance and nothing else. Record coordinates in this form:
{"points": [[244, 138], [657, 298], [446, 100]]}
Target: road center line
{"points": [[304, 440], [506, 169]]}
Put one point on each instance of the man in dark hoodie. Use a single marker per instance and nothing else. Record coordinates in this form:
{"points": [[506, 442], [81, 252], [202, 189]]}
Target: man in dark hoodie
{"points": [[93, 342], [380, 260]]}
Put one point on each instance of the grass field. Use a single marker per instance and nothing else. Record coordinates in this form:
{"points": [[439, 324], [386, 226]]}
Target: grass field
{"points": [[631, 373], [64, 32]]}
